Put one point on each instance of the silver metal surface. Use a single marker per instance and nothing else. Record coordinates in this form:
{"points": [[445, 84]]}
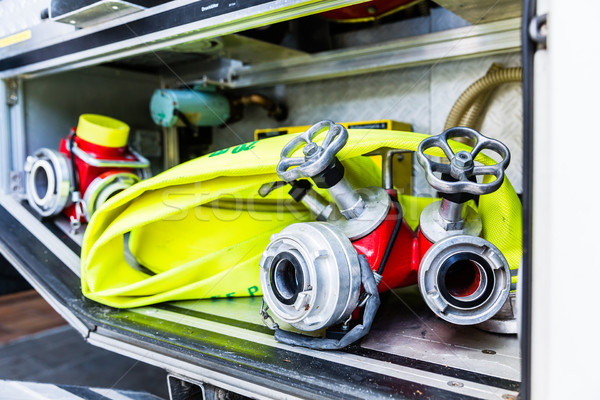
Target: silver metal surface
{"points": [[348, 200], [141, 161], [322, 289], [377, 205], [17, 124], [436, 228], [246, 311], [474, 307], [103, 188], [48, 181], [406, 327], [505, 321], [538, 31], [472, 41], [12, 91], [316, 157], [5, 151], [98, 12], [184, 369], [387, 164], [260, 15], [19, 390], [421, 96], [240, 48], [319, 206], [37, 228], [462, 166], [452, 214]]}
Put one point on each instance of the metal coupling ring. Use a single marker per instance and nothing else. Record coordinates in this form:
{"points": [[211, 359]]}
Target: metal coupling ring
{"points": [[310, 276], [462, 165], [464, 279], [316, 158], [48, 181], [104, 187]]}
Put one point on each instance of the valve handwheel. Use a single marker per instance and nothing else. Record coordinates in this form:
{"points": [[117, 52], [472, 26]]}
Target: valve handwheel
{"points": [[462, 167], [316, 158]]}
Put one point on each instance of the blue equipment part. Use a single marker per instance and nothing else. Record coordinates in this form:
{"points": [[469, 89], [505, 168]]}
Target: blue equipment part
{"points": [[200, 108]]}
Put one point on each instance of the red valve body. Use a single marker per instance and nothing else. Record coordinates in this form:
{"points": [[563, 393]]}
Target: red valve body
{"points": [[87, 173], [402, 266]]}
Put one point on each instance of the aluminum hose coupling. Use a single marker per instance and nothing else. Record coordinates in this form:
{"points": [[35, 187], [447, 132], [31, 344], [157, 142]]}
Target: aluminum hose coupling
{"points": [[310, 276], [463, 278], [93, 163], [315, 275]]}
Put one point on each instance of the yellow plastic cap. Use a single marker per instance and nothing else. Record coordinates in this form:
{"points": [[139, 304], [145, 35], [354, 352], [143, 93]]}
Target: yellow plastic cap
{"points": [[102, 130]]}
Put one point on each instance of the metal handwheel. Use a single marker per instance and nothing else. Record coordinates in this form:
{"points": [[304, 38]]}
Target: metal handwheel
{"points": [[462, 167], [316, 158]]}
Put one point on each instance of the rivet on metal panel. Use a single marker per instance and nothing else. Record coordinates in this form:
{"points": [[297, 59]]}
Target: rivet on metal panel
{"points": [[12, 92], [16, 182], [455, 384]]}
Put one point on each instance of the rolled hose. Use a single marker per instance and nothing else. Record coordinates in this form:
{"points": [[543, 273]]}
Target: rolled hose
{"points": [[478, 88], [143, 211]]}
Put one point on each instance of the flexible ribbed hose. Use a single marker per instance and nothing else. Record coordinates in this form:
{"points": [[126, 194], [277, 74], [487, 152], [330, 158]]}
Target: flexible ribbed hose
{"points": [[485, 84], [472, 115]]}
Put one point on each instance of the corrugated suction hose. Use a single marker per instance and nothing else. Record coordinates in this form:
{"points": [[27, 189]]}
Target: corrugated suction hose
{"points": [[467, 108]]}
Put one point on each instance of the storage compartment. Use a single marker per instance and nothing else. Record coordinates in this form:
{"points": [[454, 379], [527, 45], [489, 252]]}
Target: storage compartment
{"points": [[410, 67]]}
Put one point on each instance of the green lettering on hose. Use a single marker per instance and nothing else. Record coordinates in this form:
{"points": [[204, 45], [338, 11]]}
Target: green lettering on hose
{"points": [[218, 152], [252, 290], [243, 147]]}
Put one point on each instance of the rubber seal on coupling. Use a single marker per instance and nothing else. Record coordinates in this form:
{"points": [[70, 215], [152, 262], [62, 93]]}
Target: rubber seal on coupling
{"points": [[466, 280], [287, 278]]}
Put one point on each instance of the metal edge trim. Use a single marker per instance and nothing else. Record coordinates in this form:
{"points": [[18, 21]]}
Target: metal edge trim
{"points": [[183, 368], [380, 367], [432, 48], [70, 14], [44, 235], [105, 25]]}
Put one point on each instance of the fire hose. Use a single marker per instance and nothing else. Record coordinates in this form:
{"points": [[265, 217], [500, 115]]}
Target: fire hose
{"points": [[193, 256]]}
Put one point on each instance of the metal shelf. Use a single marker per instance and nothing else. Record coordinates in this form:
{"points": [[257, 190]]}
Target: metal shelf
{"points": [[222, 342], [431, 48]]}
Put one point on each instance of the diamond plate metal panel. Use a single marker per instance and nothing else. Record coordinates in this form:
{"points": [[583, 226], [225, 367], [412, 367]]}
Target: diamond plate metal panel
{"points": [[402, 95], [503, 119], [421, 96]]}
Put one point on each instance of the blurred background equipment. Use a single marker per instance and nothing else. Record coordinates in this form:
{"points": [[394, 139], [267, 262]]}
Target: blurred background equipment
{"points": [[92, 165]]}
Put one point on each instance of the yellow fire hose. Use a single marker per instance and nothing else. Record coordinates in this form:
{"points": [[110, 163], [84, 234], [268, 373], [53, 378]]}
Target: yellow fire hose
{"points": [[193, 247]]}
